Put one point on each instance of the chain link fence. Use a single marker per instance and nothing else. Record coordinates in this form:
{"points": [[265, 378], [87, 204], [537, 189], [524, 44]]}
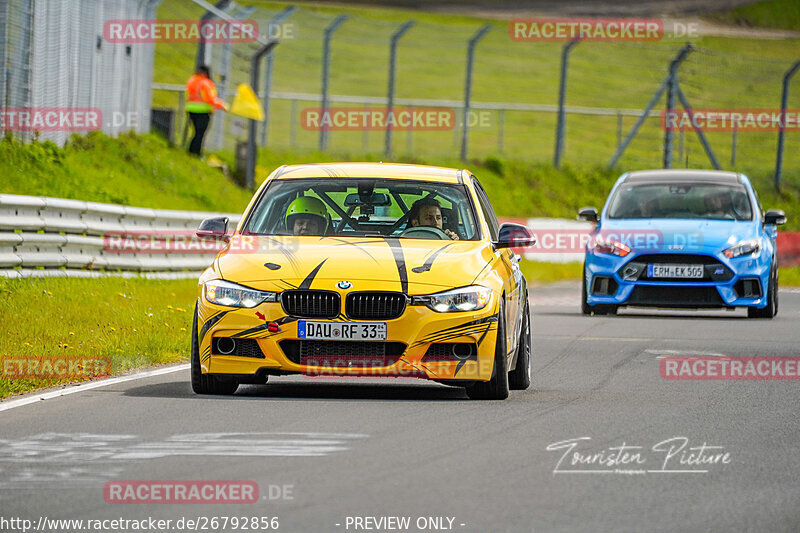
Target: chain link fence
{"points": [[514, 91], [55, 57]]}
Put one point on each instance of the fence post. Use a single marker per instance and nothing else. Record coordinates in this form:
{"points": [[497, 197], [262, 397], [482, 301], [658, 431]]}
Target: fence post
{"points": [[392, 67], [250, 176], [277, 19], [699, 131], [293, 124], [733, 145], [562, 92], [672, 82], [782, 131], [326, 63], [468, 87], [501, 123]]}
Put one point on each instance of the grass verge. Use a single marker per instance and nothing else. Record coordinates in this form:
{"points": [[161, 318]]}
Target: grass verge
{"points": [[133, 322], [138, 170]]}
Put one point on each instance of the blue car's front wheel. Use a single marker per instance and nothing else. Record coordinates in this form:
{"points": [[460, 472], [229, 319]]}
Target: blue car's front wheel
{"points": [[771, 310]]}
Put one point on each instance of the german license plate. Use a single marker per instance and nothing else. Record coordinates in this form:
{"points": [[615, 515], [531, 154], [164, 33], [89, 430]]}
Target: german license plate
{"points": [[675, 271], [341, 331]]}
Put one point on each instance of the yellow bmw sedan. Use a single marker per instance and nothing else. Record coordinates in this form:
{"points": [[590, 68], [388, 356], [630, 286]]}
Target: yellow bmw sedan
{"points": [[365, 269]]}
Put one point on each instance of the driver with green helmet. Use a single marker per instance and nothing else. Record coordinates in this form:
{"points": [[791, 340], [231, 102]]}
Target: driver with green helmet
{"points": [[307, 215]]}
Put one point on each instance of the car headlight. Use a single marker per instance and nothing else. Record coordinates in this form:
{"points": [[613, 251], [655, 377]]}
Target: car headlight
{"points": [[606, 245], [469, 298], [749, 246], [229, 294]]}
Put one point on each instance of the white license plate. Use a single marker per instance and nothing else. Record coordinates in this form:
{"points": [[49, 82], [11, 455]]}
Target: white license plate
{"points": [[675, 271], [341, 331]]}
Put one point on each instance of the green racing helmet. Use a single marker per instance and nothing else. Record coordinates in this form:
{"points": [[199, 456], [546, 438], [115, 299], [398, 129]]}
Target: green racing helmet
{"points": [[308, 206]]}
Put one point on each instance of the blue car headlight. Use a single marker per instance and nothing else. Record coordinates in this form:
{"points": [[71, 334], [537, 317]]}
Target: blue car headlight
{"points": [[749, 246], [229, 294], [471, 298]]}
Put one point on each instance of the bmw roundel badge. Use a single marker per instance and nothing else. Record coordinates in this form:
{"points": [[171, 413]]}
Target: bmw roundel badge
{"points": [[344, 285]]}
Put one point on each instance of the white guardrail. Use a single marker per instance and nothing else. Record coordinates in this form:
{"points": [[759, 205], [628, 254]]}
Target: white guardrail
{"points": [[41, 236]]}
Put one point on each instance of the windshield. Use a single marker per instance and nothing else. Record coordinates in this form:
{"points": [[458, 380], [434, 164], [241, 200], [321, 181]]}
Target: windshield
{"points": [[364, 208], [681, 200]]}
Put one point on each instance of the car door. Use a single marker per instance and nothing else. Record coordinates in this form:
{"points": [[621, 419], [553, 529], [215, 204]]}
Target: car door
{"points": [[509, 266]]}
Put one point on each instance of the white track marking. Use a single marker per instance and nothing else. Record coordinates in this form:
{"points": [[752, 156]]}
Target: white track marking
{"points": [[11, 404]]}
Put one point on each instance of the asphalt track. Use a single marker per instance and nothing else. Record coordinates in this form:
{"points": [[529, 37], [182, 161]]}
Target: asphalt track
{"points": [[377, 448]]}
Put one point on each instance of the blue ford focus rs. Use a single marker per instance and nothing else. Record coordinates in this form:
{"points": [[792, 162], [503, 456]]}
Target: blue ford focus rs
{"points": [[682, 239]]}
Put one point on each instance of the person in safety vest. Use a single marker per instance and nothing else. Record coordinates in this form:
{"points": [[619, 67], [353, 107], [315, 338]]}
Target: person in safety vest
{"points": [[201, 102], [307, 216]]}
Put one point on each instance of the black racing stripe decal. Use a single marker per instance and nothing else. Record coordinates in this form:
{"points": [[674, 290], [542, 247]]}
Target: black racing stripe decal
{"points": [[454, 335], [344, 242], [210, 322], [426, 266], [306, 284], [400, 261], [206, 354], [251, 331], [291, 285]]}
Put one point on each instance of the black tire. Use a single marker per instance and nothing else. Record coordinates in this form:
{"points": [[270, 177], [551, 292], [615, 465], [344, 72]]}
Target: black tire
{"points": [[586, 309], [520, 377], [497, 387], [202, 383], [600, 309], [771, 310]]}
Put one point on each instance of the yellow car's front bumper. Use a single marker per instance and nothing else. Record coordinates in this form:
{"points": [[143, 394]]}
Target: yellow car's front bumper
{"points": [[417, 329]]}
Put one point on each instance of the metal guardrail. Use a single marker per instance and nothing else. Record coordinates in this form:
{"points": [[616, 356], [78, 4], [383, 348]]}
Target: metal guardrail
{"points": [[41, 236]]}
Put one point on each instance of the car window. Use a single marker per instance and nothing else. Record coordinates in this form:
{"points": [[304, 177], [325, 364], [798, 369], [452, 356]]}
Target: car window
{"points": [[488, 212], [681, 200], [363, 208]]}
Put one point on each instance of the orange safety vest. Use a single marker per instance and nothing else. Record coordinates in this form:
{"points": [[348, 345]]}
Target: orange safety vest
{"points": [[201, 95]]}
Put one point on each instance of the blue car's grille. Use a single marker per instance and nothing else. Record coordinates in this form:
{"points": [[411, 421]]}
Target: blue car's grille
{"points": [[666, 296], [713, 269]]}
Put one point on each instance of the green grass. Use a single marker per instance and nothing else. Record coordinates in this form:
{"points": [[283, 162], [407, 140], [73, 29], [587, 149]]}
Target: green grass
{"points": [[144, 171], [541, 273], [780, 14], [133, 322], [133, 170]]}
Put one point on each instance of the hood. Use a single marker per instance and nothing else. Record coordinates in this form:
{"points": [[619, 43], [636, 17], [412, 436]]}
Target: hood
{"points": [[679, 235], [413, 266]]}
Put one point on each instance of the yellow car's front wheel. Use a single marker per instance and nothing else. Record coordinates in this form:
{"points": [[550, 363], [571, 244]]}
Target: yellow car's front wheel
{"points": [[203, 383], [497, 387]]}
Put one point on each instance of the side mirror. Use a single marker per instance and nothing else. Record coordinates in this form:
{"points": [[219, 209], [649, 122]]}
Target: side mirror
{"points": [[514, 236], [216, 227], [588, 213], [775, 217]]}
